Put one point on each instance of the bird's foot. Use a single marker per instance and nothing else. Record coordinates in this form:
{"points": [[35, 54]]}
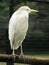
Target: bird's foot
{"points": [[13, 55], [23, 57]]}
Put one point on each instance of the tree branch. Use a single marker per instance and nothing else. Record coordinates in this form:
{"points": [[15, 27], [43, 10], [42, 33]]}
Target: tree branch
{"points": [[21, 59]]}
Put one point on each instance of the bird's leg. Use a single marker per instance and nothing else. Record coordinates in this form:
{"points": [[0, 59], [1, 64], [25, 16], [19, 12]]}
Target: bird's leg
{"points": [[13, 52], [22, 55], [21, 50]]}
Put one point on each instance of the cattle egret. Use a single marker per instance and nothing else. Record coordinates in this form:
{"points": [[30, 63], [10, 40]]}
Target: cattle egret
{"points": [[18, 26]]}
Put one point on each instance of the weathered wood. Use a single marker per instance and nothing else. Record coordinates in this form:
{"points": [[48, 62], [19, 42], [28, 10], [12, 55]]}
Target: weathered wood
{"points": [[22, 59]]}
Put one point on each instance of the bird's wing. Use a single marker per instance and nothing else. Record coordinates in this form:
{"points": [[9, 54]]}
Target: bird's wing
{"points": [[13, 24]]}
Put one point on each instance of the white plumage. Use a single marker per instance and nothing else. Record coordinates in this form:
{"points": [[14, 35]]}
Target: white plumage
{"points": [[18, 26]]}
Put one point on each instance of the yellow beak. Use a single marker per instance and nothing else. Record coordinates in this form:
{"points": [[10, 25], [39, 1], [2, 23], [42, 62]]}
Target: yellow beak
{"points": [[32, 10]]}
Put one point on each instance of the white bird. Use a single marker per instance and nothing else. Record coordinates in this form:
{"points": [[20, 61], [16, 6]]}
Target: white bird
{"points": [[18, 26]]}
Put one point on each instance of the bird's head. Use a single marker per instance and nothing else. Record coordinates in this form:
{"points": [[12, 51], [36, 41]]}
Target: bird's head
{"points": [[27, 9]]}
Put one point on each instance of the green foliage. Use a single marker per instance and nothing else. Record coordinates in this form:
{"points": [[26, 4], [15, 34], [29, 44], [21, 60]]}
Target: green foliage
{"points": [[4, 11], [38, 33], [30, 4]]}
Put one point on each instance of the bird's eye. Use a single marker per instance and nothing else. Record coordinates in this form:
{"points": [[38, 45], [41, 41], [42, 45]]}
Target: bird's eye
{"points": [[27, 9]]}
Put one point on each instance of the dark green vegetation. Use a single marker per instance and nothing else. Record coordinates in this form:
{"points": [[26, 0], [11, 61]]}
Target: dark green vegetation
{"points": [[4, 11]]}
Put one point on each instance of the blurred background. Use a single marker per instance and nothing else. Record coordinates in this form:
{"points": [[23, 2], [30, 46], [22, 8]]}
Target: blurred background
{"points": [[36, 42]]}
